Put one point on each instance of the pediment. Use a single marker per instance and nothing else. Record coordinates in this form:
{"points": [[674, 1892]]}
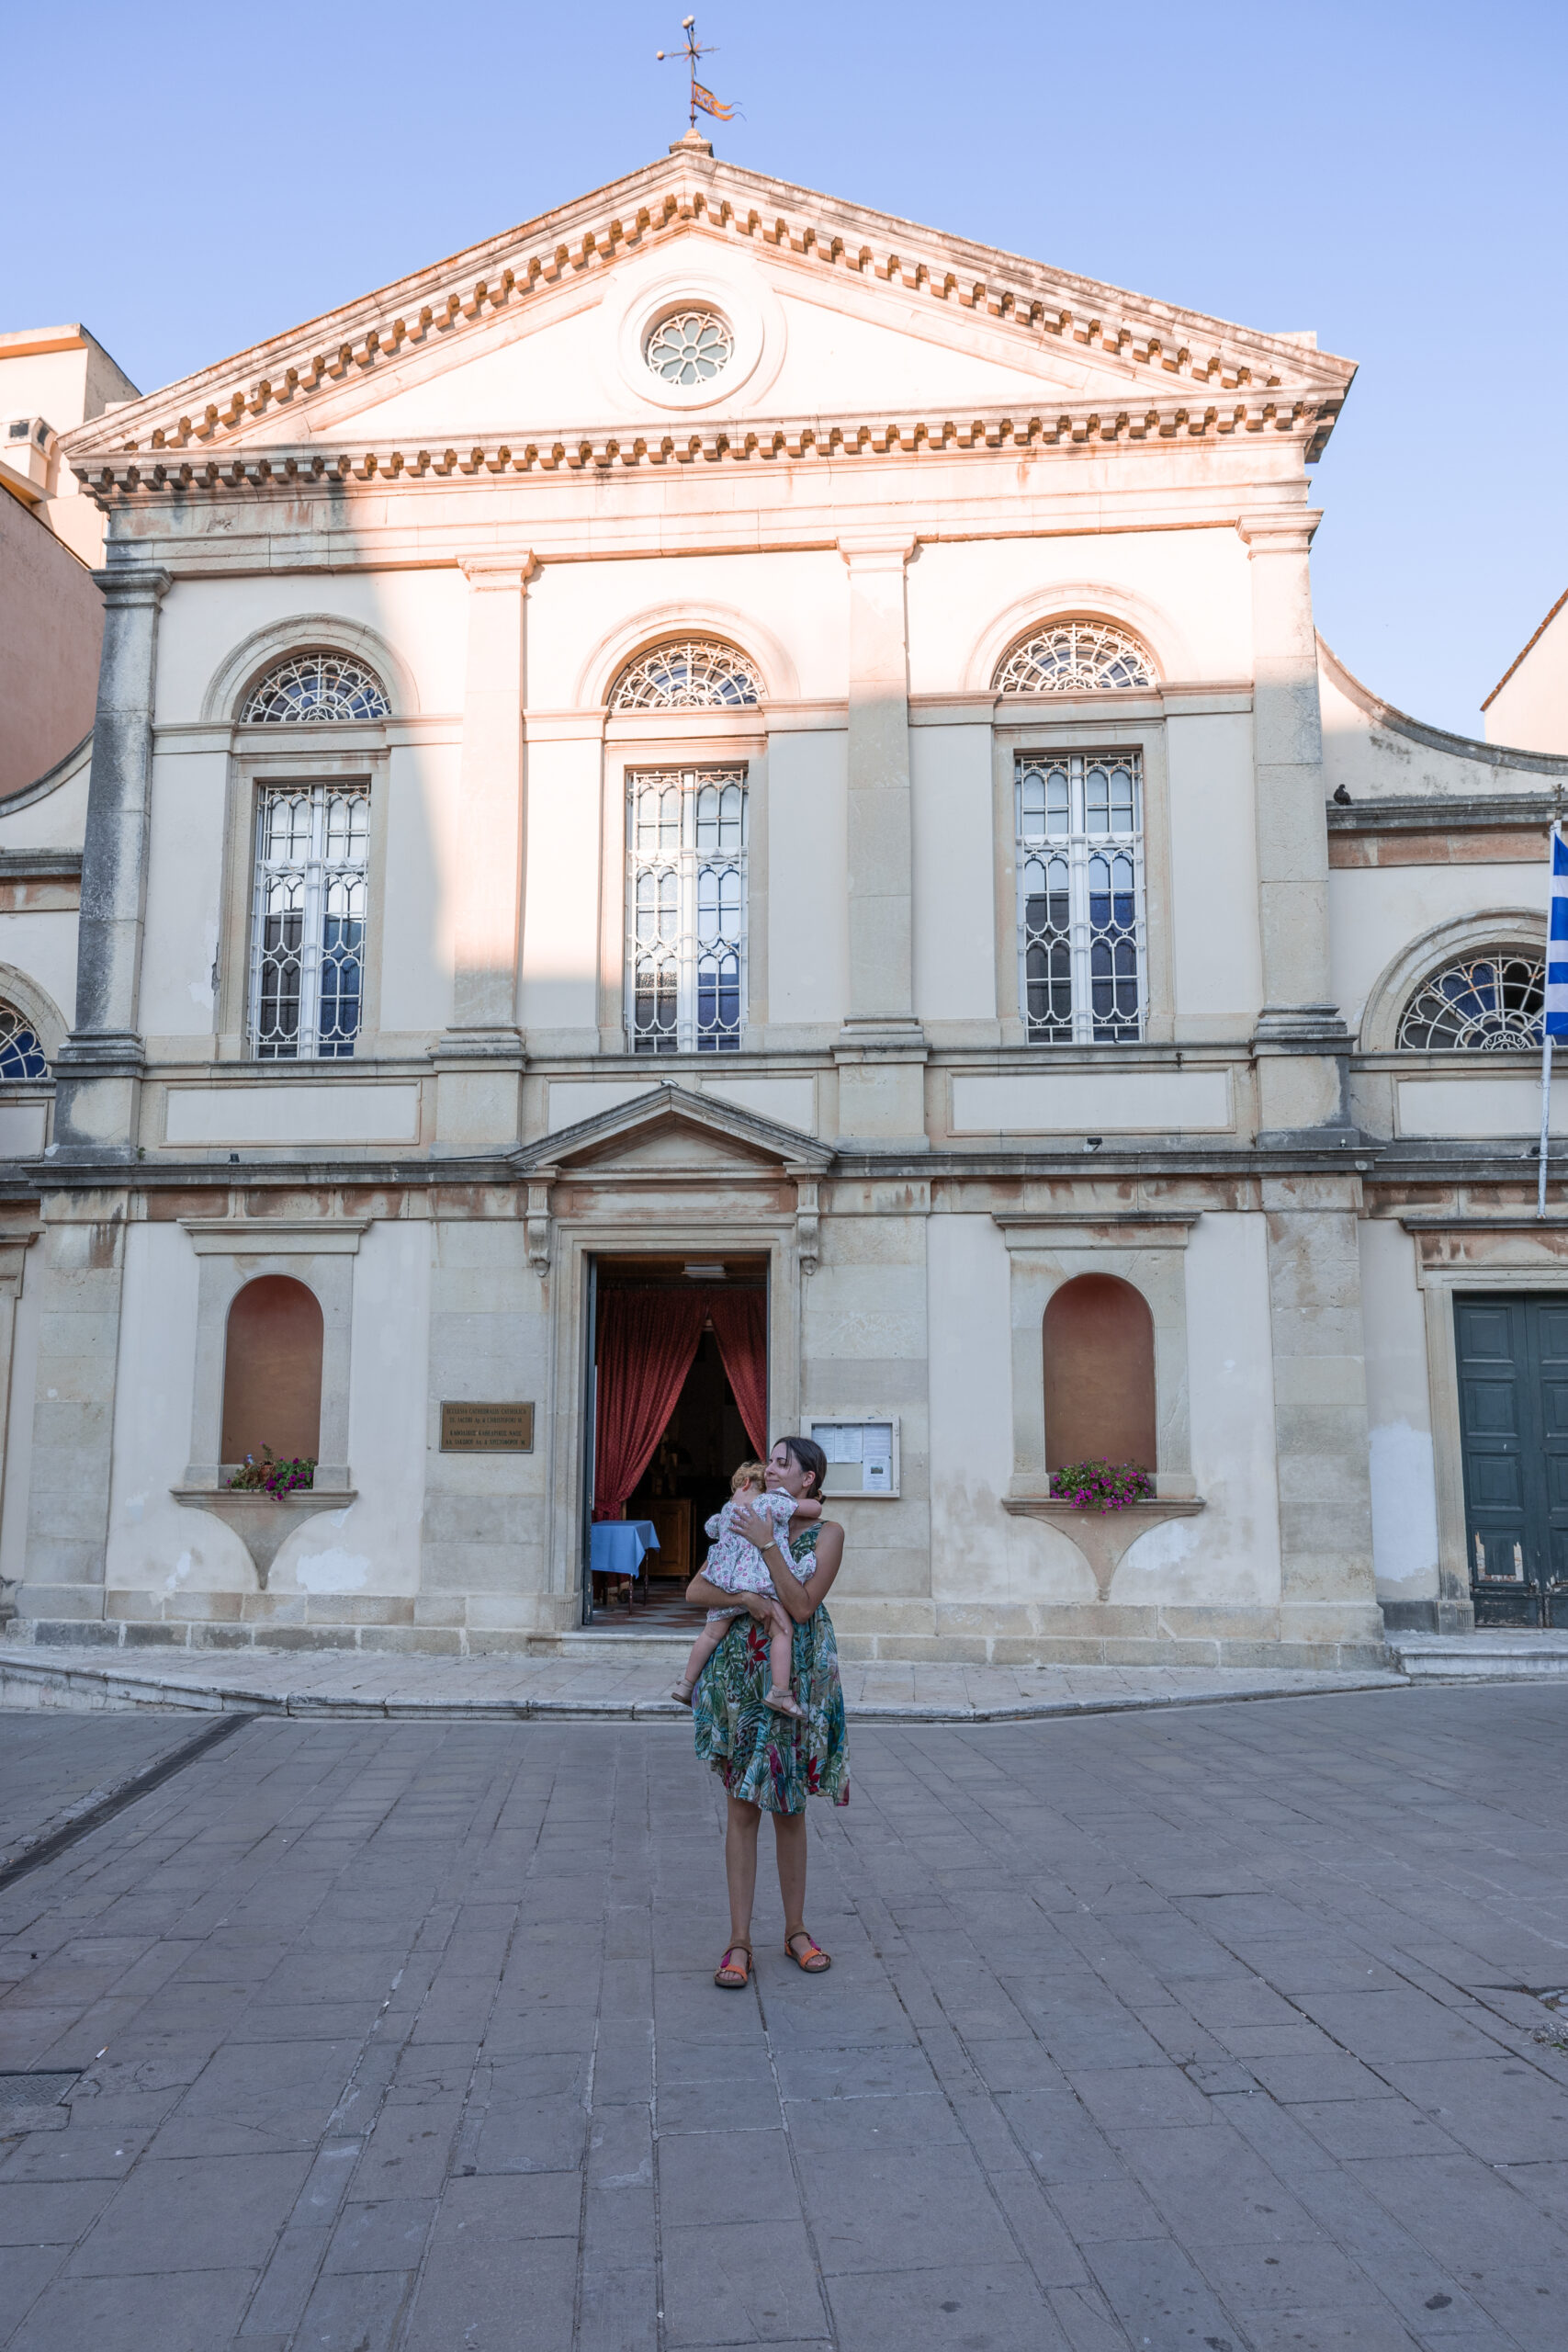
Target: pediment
{"points": [[514, 337], [669, 1133]]}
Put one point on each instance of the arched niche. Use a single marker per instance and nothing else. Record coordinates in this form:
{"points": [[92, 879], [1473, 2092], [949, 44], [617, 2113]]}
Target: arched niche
{"points": [[1099, 1373], [272, 1371]]}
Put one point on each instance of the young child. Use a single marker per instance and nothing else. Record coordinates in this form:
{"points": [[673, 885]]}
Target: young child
{"points": [[736, 1566]]}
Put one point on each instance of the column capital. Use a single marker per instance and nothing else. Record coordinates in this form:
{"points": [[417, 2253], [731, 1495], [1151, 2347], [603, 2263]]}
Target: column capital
{"points": [[513, 569], [1270, 533], [133, 584], [878, 550]]}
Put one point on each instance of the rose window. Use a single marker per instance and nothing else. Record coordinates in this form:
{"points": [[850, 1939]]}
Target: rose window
{"points": [[690, 348]]}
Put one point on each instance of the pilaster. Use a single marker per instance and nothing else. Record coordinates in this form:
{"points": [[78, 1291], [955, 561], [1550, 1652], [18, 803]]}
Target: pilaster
{"points": [[1327, 1591], [99, 1069], [881, 1052], [78, 1267], [480, 1058], [1302, 1045]]}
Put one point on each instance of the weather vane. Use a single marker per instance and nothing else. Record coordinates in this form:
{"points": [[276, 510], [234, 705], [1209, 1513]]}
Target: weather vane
{"points": [[702, 98]]}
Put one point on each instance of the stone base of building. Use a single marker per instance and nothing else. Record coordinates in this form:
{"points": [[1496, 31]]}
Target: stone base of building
{"points": [[895, 1632]]}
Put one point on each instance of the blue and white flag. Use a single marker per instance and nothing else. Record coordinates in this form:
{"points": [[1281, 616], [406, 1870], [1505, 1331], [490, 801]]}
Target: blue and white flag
{"points": [[1557, 940]]}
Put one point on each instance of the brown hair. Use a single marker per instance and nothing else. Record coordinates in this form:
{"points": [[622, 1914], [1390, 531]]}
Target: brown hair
{"points": [[750, 1474], [808, 1456]]}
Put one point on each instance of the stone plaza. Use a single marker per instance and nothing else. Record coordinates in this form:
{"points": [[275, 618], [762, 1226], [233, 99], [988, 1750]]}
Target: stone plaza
{"points": [[1226, 2027]]}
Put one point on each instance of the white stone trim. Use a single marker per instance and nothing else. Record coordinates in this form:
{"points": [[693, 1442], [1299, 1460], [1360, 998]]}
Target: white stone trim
{"points": [[1518, 1257], [1426, 956], [297, 632], [1079, 599]]}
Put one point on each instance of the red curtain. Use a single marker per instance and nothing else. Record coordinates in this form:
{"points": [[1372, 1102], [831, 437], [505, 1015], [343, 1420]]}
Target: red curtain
{"points": [[741, 1327], [647, 1341]]}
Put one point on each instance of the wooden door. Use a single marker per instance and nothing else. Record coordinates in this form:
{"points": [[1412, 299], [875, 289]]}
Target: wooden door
{"points": [[1513, 1385]]}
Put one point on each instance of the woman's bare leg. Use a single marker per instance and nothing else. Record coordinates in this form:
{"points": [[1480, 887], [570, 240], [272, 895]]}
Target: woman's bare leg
{"points": [[789, 1847], [781, 1650], [740, 1865]]}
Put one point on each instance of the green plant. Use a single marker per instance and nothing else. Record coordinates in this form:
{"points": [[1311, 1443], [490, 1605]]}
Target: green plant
{"points": [[1101, 1486], [271, 1476]]}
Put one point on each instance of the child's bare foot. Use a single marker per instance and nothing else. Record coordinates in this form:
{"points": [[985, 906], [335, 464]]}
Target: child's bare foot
{"points": [[682, 1693], [783, 1702]]}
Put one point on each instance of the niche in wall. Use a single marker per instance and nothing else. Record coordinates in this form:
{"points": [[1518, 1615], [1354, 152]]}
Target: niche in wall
{"points": [[272, 1371], [1099, 1373]]}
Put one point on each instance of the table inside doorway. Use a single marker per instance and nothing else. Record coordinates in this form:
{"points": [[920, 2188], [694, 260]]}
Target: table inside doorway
{"points": [[617, 1549]]}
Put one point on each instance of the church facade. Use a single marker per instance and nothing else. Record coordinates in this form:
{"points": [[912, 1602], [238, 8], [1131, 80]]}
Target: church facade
{"points": [[725, 741]]}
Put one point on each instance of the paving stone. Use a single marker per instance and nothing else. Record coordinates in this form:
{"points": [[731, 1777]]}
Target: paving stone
{"points": [[1152, 2010], [193, 2311]]}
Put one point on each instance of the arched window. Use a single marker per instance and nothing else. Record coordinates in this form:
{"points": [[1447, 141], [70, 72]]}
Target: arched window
{"points": [[21, 1056], [313, 689], [272, 1372], [687, 673], [1099, 1374], [1488, 1002], [686, 909], [1073, 657]]}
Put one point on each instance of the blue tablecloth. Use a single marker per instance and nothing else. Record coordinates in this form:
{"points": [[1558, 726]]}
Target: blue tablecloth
{"points": [[616, 1547]]}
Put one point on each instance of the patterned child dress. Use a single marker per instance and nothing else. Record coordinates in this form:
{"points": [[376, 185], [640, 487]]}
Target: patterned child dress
{"points": [[768, 1758]]}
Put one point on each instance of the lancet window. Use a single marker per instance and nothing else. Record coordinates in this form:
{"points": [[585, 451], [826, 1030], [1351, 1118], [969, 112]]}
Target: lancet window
{"points": [[21, 1056], [1071, 657], [686, 909], [687, 673], [316, 688], [1081, 897], [307, 927], [1488, 1002]]}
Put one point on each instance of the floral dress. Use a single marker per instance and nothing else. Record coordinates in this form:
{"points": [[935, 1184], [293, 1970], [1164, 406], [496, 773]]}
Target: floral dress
{"points": [[770, 1760]]}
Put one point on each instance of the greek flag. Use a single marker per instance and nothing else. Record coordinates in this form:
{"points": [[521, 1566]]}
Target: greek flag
{"points": [[1557, 941]]}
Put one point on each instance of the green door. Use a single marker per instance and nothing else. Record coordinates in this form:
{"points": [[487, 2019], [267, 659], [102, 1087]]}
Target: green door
{"points": [[1513, 1388]]}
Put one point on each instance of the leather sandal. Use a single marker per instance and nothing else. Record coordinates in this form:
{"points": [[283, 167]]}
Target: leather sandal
{"points": [[726, 1974], [784, 1703], [812, 1961]]}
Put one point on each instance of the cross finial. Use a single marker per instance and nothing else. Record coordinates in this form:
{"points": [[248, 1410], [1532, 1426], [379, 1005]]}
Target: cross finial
{"points": [[702, 98]]}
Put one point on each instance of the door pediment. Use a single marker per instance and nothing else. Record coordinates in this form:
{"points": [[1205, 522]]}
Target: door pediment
{"points": [[669, 1133]]}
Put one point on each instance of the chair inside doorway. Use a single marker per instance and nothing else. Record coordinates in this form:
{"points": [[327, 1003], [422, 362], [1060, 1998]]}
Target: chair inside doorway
{"points": [[681, 1389]]}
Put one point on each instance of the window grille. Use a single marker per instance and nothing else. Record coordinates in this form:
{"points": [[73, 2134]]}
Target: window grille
{"points": [[686, 909], [692, 347], [1490, 1002], [1081, 897], [308, 931], [21, 1056], [688, 673], [1073, 657], [310, 689]]}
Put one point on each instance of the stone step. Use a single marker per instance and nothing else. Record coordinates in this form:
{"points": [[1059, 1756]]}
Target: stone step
{"points": [[1495, 1654]]}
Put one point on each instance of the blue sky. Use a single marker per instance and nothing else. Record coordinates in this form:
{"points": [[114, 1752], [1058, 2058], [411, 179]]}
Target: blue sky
{"points": [[1391, 174]]}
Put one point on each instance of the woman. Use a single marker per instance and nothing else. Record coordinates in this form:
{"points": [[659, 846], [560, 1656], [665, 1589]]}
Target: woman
{"points": [[769, 1762]]}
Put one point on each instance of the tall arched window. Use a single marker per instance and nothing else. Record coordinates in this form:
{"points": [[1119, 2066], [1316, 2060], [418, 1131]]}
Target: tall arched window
{"points": [[1073, 657], [21, 1056], [272, 1371], [686, 909], [1489, 1002], [687, 673], [315, 689], [1099, 1374]]}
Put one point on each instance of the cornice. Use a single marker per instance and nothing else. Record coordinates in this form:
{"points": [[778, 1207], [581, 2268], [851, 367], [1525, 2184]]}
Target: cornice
{"points": [[1085, 428], [451, 301], [1434, 738]]}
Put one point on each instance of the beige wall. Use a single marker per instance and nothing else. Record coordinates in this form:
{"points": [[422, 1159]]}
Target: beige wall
{"points": [[1529, 709], [51, 626]]}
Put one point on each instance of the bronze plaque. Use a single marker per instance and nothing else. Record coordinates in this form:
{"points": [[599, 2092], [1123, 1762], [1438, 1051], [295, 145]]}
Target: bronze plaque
{"points": [[486, 1429]]}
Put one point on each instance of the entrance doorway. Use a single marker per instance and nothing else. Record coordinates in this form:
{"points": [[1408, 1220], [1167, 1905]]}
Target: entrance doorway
{"points": [[1513, 1388], [677, 1398]]}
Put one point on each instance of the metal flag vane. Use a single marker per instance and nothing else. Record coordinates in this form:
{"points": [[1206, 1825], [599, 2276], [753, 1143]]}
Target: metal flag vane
{"points": [[703, 98]]}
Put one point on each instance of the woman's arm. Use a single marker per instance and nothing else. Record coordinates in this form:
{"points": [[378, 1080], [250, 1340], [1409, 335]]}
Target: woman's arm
{"points": [[799, 1601]]}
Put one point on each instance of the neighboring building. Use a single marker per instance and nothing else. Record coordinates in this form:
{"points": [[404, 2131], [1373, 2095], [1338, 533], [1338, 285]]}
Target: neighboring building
{"points": [[725, 814], [51, 617], [1529, 705]]}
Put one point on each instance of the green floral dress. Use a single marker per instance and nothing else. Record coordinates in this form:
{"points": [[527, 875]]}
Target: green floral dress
{"points": [[768, 1758]]}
